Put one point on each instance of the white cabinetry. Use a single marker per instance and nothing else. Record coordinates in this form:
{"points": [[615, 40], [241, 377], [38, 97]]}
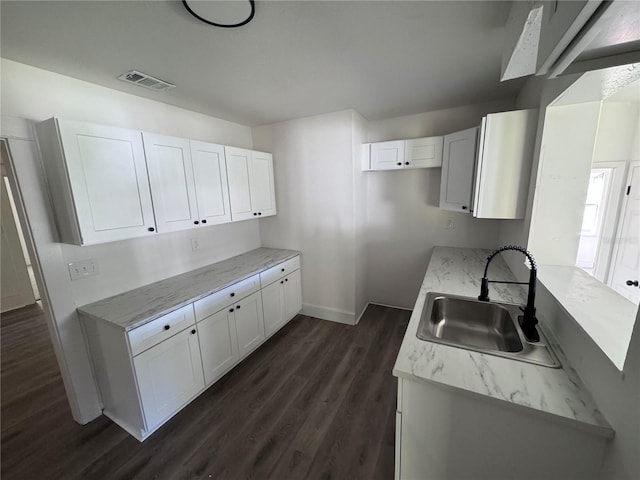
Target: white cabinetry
{"points": [[387, 155], [171, 179], [281, 301], [188, 182], [402, 154], [169, 375], [251, 183], [423, 152], [218, 344], [458, 164], [111, 183], [491, 181], [210, 180], [249, 323], [488, 438], [98, 180], [148, 374]]}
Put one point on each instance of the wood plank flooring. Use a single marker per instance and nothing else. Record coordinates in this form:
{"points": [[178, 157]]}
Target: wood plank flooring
{"points": [[316, 401]]}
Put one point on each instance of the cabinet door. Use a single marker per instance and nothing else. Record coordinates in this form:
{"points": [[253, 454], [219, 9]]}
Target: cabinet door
{"points": [[238, 168], [292, 295], [273, 307], [249, 323], [169, 375], [210, 179], [458, 163], [263, 194], [171, 179], [423, 152], [387, 155], [108, 179], [218, 344], [503, 169]]}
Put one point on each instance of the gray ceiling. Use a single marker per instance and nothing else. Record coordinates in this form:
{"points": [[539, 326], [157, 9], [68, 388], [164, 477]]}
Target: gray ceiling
{"points": [[296, 58]]}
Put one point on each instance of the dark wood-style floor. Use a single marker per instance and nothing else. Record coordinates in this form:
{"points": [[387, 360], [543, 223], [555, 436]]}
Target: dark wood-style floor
{"points": [[316, 401]]}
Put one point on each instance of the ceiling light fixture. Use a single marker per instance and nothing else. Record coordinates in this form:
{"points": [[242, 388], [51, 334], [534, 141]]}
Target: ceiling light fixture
{"points": [[205, 11]]}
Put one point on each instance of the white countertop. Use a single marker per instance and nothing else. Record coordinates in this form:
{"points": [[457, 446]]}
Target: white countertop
{"points": [[595, 307], [141, 305], [555, 392]]}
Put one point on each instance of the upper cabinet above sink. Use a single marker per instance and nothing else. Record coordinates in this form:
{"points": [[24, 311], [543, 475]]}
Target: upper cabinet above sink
{"points": [[486, 171]]}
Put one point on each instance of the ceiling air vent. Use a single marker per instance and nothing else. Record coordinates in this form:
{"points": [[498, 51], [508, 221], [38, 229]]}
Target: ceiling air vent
{"points": [[144, 80]]}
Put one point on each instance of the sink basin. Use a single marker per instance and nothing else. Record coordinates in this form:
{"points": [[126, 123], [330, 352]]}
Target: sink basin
{"points": [[487, 327]]}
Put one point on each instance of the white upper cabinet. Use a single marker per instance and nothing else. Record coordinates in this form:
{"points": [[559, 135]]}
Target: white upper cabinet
{"points": [[458, 164], [251, 183], [98, 181], [503, 169], [188, 182], [492, 180], [263, 193], [423, 152], [171, 179], [402, 154], [210, 180], [387, 155]]}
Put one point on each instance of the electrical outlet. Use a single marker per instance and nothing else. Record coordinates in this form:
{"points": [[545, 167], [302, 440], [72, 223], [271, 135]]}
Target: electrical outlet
{"points": [[451, 224], [83, 269], [195, 244]]}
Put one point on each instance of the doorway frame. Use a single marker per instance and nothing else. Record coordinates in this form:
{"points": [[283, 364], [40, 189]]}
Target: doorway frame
{"points": [[620, 223], [52, 277]]}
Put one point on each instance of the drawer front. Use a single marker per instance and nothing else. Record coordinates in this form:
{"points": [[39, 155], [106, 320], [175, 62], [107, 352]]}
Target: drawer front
{"points": [[152, 333], [281, 270], [217, 301]]}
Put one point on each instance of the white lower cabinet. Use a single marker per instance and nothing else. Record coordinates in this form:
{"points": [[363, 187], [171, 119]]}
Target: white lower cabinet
{"points": [[281, 301], [442, 432], [147, 374], [249, 323], [218, 344], [169, 375], [230, 334], [273, 307]]}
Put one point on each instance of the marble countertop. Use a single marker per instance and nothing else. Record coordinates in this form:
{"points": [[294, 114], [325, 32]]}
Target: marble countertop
{"points": [[555, 392], [144, 304], [594, 305]]}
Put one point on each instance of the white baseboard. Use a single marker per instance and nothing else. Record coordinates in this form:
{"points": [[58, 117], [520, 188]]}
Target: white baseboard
{"points": [[328, 313], [390, 306], [362, 312]]}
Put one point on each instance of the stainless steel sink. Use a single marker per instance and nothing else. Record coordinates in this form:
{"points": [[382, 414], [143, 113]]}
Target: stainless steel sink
{"points": [[486, 327]]}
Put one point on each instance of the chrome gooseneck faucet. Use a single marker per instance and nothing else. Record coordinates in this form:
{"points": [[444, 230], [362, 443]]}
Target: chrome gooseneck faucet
{"points": [[528, 321]]}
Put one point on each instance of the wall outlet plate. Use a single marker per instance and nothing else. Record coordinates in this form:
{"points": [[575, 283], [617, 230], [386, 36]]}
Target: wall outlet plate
{"points": [[83, 269], [195, 244]]}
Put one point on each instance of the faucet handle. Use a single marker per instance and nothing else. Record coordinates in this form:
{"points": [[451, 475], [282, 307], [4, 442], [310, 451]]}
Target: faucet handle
{"points": [[484, 290]]}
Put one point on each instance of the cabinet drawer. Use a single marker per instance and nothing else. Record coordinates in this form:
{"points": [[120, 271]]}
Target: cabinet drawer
{"points": [[281, 270], [152, 333], [225, 297]]}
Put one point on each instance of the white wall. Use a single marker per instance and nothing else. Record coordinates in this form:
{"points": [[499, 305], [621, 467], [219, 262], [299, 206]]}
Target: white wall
{"points": [[617, 132], [563, 173], [359, 136], [617, 395], [37, 94], [314, 177], [404, 222]]}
